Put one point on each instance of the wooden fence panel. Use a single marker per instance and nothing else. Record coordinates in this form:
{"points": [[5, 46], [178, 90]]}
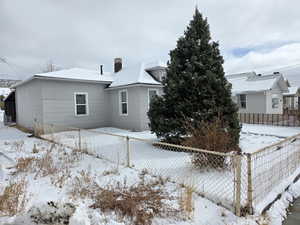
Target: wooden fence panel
{"points": [[288, 119]]}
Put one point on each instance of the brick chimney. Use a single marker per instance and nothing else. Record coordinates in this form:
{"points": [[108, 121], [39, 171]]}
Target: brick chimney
{"points": [[117, 64]]}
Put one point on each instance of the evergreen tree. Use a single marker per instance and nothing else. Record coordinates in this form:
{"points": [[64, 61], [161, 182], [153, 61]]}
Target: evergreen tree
{"points": [[195, 88]]}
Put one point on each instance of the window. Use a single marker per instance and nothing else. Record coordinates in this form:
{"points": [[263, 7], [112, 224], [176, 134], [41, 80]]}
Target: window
{"points": [[275, 103], [81, 104], [242, 101], [151, 94], [123, 102]]}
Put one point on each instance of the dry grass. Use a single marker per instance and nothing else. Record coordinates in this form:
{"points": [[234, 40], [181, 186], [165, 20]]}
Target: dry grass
{"points": [[139, 203], [212, 137], [83, 186], [186, 201], [17, 146], [60, 179], [14, 198], [38, 129], [24, 164], [45, 165]]}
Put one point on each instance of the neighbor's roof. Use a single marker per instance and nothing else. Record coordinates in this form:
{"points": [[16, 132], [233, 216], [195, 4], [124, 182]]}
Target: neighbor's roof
{"points": [[4, 91], [133, 75], [250, 82], [292, 91]]}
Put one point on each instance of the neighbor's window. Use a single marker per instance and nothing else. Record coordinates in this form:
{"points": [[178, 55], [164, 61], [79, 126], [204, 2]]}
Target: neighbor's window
{"points": [[123, 102], [275, 103], [242, 101], [151, 94], [81, 104]]}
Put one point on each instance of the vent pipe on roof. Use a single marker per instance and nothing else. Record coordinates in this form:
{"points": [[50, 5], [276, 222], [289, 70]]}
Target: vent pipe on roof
{"points": [[117, 64], [101, 69]]}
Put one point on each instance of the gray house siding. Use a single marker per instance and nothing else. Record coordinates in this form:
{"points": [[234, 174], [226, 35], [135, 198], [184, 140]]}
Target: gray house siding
{"points": [[29, 104], [137, 118], [59, 104], [255, 103], [261, 102], [52, 102]]}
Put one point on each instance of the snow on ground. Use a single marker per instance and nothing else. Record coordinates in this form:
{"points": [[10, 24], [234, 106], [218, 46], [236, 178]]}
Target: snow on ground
{"points": [[278, 211], [15, 144], [270, 130], [42, 189]]}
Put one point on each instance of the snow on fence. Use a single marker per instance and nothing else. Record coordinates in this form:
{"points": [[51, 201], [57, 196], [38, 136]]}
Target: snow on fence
{"points": [[243, 183], [286, 119]]}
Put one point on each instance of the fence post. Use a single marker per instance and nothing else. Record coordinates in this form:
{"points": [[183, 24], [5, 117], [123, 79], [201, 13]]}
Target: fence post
{"points": [[249, 186], [128, 151], [79, 140], [238, 159]]}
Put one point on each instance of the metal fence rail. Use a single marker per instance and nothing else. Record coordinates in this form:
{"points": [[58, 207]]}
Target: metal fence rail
{"points": [[244, 182]]}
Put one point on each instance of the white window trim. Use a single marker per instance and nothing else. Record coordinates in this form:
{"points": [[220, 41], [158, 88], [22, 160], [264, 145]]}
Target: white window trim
{"points": [[239, 101], [87, 103], [120, 102], [151, 89], [277, 104]]}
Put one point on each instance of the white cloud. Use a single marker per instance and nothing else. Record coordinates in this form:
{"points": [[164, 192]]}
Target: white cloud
{"points": [[89, 33], [261, 61]]}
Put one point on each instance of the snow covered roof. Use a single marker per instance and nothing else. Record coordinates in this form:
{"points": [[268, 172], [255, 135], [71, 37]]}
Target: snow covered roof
{"points": [[73, 74], [292, 91], [155, 65], [250, 82], [133, 75], [79, 74], [4, 91]]}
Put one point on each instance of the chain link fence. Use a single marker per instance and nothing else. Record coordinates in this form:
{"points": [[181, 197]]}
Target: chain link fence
{"points": [[239, 182]]}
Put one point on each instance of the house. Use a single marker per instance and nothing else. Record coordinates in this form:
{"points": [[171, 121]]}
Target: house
{"points": [[291, 99], [88, 99], [255, 93]]}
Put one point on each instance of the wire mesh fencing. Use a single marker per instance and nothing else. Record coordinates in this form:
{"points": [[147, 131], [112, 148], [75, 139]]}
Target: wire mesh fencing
{"points": [[240, 182], [273, 168]]}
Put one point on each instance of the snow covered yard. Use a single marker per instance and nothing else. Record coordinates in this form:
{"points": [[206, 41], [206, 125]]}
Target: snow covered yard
{"points": [[58, 186], [48, 186]]}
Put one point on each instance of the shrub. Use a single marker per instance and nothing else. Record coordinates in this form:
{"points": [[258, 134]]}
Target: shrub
{"points": [[140, 203], [212, 137], [13, 199]]}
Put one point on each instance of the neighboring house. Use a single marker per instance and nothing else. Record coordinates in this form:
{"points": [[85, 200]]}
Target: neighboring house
{"points": [[255, 93], [291, 99], [89, 99]]}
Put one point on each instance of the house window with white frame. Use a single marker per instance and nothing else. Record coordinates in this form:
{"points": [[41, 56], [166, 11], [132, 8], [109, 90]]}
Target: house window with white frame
{"points": [[151, 94], [242, 101], [81, 104], [275, 102], [123, 104]]}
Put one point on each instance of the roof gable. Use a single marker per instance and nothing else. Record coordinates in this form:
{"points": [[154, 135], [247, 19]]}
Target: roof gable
{"points": [[133, 75], [256, 83]]}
